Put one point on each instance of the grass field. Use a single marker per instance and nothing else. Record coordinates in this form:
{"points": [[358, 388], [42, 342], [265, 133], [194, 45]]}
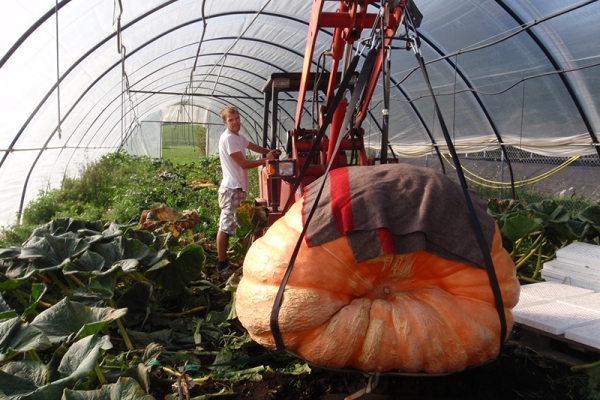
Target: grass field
{"points": [[181, 155], [173, 133]]}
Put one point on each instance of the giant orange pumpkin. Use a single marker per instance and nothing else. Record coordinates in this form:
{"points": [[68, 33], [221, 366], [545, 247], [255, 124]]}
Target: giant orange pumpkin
{"points": [[414, 312]]}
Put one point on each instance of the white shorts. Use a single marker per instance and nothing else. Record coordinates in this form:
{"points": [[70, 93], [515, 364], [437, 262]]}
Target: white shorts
{"points": [[229, 201]]}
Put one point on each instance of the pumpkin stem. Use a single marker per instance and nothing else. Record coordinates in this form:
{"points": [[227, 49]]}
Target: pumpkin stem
{"points": [[371, 384], [538, 265], [516, 247], [532, 251], [583, 367]]}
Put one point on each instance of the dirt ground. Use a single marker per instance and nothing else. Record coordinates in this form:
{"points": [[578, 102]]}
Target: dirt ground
{"points": [[516, 374]]}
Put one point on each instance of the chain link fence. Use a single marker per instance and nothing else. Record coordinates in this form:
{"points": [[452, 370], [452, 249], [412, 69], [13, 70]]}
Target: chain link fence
{"points": [[574, 182]]}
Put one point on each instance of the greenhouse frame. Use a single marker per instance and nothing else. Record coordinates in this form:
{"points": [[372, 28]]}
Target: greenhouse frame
{"points": [[80, 79]]}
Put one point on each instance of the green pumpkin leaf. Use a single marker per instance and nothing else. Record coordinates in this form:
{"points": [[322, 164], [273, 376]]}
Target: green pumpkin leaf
{"points": [[93, 236], [143, 236], [136, 301], [52, 366], [549, 211], [518, 227], [163, 337], [37, 291], [34, 372], [13, 386], [591, 215], [8, 329], [16, 337], [579, 229], [10, 284], [93, 264], [6, 311], [9, 252], [121, 248], [103, 285], [51, 391], [563, 230], [153, 259], [82, 356], [57, 227], [69, 319], [132, 248], [124, 388], [18, 270], [141, 372], [173, 276], [53, 252], [90, 263], [560, 215], [124, 266]]}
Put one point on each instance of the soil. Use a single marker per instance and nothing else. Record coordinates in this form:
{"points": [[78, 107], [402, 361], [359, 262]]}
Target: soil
{"points": [[516, 374]]}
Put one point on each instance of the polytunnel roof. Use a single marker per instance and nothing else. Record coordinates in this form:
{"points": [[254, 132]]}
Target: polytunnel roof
{"points": [[79, 79]]}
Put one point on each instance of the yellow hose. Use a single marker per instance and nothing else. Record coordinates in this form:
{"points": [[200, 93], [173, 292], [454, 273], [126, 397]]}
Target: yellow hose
{"points": [[505, 185]]}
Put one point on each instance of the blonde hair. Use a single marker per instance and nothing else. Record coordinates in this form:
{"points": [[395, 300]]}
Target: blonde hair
{"points": [[228, 110]]}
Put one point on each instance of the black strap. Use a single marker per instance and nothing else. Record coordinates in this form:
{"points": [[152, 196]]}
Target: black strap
{"points": [[363, 78], [326, 122], [489, 265], [361, 83]]}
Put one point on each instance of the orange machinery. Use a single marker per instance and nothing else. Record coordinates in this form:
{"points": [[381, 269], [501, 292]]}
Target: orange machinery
{"points": [[337, 131]]}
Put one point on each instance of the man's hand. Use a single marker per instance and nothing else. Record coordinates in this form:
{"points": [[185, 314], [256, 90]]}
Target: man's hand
{"points": [[273, 154]]}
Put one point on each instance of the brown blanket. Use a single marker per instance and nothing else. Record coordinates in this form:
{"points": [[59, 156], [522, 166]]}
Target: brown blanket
{"points": [[396, 208]]}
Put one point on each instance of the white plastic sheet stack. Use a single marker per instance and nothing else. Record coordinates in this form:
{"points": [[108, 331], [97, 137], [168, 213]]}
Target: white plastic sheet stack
{"points": [[568, 303], [577, 264]]}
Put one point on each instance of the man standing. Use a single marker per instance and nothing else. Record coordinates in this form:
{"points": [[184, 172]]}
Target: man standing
{"points": [[235, 184]]}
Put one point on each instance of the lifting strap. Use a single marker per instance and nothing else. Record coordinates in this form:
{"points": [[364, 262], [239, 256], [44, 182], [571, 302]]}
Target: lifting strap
{"points": [[363, 78], [326, 122], [489, 265]]}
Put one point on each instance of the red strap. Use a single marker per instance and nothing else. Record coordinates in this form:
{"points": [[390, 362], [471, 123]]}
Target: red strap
{"points": [[341, 200], [387, 241]]}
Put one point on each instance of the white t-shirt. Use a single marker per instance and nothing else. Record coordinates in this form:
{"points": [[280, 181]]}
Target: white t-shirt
{"points": [[234, 176]]}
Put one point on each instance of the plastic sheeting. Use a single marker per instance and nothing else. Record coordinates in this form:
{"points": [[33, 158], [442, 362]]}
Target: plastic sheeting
{"points": [[89, 79]]}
